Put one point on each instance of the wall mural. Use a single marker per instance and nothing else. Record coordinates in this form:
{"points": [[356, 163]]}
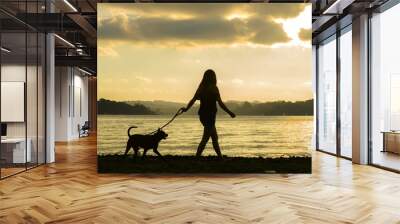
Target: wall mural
{"points": [[204, 88]]}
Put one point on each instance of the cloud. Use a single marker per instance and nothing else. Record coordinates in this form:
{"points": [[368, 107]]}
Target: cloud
{"points": [[186, 25], [261, 83], [171, 80], [172, 10], [305, 34], [278, 10], [107, 51], [143, 79], [267, 32], [237, 81], [189, 32]]}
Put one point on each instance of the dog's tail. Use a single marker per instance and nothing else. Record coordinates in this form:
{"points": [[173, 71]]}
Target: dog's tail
{"points": [[129, 130]]}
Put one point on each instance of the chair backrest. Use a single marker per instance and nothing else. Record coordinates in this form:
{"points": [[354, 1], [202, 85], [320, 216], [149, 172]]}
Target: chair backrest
{"points": [[86, 125]]}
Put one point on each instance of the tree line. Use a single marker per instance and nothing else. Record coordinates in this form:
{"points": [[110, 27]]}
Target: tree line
{"points": [[274, 108], [105, 106]]}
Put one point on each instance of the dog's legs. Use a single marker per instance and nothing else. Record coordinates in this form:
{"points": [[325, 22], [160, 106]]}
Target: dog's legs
{"points": [[144, 153], [136, 150], [155, 150], [128, 147], [158, 153]]}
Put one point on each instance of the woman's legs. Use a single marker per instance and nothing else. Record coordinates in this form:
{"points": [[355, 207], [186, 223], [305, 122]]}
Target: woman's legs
{"points": [[214, 138], [209, 132], [204, 140]]}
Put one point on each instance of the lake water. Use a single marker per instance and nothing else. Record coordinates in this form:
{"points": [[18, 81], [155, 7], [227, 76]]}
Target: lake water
{"points": [[266, 136]]}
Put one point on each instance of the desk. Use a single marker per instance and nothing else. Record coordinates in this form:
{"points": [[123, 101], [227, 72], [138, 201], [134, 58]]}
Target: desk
{"points": [[16, 147], [391, 141]]}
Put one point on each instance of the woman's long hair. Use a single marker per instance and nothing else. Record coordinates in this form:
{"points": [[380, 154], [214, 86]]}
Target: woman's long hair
{"points": [[209, 80]]}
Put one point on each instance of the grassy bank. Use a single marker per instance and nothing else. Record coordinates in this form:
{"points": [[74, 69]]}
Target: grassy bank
{"points": [[206, 164]]}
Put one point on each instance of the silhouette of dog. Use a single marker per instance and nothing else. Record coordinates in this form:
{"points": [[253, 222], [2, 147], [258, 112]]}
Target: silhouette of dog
{"points": [[145, 142]]}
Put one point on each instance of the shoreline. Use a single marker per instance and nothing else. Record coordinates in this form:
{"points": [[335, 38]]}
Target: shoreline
{"points": [[218, 115], [204, 164]]}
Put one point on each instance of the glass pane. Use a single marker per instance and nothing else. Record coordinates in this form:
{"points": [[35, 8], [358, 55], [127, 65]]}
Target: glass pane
{"points": [[346, 94], [386, 89], [13, 86], [395, 102], [23, 90], [41, 98], [31, 98], [327, 96]]}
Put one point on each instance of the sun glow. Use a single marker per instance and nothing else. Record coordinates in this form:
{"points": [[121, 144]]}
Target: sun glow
{"points": [[293, 26], [241, 16]]}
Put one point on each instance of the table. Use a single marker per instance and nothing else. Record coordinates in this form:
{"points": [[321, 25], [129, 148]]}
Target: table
{"points": [[16, 147], [391, 141]]}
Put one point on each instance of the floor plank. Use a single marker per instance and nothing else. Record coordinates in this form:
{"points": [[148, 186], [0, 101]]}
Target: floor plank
{"points": [[71, 191]]}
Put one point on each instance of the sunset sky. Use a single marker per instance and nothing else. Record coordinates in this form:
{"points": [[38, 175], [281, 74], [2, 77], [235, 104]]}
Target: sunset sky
{"points": [[160, 51]]}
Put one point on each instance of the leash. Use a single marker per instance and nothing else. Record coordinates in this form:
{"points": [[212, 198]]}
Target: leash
{"points": [[179, 112]]}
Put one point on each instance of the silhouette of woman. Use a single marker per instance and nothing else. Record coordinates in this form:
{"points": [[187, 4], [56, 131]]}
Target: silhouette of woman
{"points": [[208, 94]]}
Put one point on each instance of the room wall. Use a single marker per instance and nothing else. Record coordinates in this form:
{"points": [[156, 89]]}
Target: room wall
{"points": [[16, 73], [34, 105], [80, 110], [71, 102], [62, 113]]}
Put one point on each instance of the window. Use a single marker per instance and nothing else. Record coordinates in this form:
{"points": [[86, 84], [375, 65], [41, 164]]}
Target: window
{"points": [[346, 93], [385, 89], [327, 96], [22, 88], [395, 102]]}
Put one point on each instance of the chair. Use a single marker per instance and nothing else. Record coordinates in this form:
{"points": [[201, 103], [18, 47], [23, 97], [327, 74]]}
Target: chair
{"points": [[84, 130]]}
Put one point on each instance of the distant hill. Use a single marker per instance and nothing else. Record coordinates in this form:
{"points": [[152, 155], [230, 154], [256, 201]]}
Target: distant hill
{"points": [[120, 108], [274, 108], [162, 107]]}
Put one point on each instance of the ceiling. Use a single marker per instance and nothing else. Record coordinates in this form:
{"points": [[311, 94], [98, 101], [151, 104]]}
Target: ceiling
{"points": [[75, 22], [331, 15]]}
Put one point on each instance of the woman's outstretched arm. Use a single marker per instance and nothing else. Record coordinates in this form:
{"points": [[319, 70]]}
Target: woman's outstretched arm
{"points": [[224, 107], [190, 104]]}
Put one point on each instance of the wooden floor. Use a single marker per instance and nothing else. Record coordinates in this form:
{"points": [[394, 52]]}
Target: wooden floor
{"points": [[70, 191], [5, 172], [387, 159]]}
